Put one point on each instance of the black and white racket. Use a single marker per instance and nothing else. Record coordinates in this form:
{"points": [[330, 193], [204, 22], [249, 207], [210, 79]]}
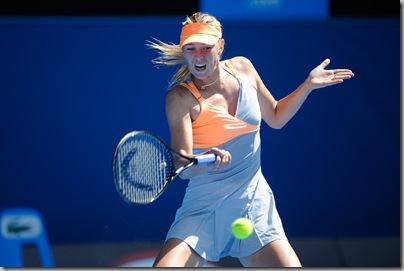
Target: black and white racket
{"points": [[143, 166]]}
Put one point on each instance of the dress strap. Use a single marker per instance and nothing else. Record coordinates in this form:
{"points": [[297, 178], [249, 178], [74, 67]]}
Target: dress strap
{"points": [[193, 89], [229, 67]]}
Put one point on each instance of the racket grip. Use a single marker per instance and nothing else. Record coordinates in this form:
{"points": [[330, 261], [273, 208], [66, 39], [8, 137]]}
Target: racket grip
{"points": [[206, 159]]}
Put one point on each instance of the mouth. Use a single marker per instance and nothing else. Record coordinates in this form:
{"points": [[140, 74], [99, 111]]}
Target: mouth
{"points": [[200, 67]]}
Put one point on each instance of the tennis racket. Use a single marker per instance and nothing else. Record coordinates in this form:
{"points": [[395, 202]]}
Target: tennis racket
{"points": [[143, 166]]}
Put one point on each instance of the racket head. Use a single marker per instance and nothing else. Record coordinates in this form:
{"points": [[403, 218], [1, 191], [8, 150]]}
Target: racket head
{"points": [[143, 167]]}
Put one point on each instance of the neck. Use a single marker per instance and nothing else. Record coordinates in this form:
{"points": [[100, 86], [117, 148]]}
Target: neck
{"points": [[208, 85]]}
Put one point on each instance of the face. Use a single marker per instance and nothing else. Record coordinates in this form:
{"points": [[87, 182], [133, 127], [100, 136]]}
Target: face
{"points": [[202, 59]]}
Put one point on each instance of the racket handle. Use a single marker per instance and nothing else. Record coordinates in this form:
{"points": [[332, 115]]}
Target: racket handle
{"points": [[206, 159]]}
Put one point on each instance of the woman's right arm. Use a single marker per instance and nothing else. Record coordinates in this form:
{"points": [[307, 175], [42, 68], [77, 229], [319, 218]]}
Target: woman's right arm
{"points": [[179, 103]]}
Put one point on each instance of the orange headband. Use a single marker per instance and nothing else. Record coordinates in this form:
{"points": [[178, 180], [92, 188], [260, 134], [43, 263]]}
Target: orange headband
{"points": [[200, 32]]}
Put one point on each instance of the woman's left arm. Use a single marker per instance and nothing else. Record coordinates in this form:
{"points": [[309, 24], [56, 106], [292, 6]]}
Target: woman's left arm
{"points": [[276, 113]]}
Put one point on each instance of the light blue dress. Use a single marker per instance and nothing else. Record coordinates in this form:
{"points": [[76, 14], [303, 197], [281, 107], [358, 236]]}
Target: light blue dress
{"points": [[214, 199]]}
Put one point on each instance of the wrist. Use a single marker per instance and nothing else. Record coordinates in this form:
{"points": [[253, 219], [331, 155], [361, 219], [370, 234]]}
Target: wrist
{"points": [[307, 87]]}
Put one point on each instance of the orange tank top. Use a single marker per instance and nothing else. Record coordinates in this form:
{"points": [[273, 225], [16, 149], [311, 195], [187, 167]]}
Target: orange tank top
{"points": [[215, 126]]}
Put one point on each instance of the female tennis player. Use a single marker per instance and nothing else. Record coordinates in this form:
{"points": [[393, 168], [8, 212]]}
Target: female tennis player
{"points": [[216, 106]]}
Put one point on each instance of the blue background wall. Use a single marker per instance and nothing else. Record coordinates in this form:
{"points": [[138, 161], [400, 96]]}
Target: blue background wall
{"points": [[71, 87]]}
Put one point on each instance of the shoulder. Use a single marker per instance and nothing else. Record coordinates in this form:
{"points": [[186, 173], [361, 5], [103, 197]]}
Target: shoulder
{"points": [[245, 68], [180, 103], [179, 94], [179, 91], [241, 63]]}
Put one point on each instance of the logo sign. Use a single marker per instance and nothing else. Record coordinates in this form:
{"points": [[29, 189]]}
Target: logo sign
{"points": [[266, 9], [20, 226]]}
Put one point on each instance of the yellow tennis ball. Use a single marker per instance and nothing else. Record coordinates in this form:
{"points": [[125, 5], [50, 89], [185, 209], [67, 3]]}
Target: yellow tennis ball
{"points": [[242, 228]]}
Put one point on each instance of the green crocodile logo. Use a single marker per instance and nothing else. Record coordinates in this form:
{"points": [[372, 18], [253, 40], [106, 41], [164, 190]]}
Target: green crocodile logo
{"points": [[17, 228]]}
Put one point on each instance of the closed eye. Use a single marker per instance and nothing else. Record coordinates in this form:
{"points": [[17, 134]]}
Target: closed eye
{"points": [[191, 48]]}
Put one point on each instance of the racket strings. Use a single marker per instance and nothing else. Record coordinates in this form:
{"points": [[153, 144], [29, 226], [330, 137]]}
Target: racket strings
{"points": [[145, 166]]}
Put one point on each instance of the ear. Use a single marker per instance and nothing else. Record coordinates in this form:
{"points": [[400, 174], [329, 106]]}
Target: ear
{"points": [[221, 47]]}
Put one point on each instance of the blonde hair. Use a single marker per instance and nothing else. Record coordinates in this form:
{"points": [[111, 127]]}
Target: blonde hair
{"points": [[170, 54]]}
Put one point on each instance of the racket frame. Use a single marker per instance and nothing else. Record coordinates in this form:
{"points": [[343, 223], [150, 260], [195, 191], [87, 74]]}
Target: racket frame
{"points": [[199, 159]]}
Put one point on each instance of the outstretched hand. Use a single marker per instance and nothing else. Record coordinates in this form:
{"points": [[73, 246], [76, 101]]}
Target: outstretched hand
{"points": [[319, 77]]}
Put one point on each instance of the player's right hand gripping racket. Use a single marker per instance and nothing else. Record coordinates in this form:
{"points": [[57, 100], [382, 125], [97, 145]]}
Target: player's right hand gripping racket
{"points": [[143, 166]]}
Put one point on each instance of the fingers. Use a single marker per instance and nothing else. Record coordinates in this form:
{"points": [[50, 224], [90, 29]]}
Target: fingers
{"points": [[340, 73], [337, 75], [325, 63], [223, 157], [320, 77], [343, 73]]}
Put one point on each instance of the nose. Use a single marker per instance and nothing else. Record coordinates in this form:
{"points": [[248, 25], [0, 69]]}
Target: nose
{"points": [[199, 53]]}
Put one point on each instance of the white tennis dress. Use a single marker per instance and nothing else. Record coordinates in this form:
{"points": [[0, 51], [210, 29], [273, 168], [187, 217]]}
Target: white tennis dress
{"points": [[214, 199]]}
